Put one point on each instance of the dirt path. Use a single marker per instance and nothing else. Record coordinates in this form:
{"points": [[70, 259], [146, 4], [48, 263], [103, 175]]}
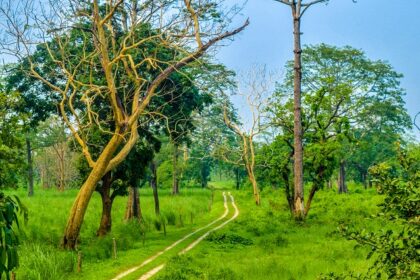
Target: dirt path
{"points": [[155, 270], [152, 258]]}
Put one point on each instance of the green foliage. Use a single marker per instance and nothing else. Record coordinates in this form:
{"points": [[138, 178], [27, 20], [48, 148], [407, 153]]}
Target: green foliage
{"points": [[348, 101], [9, 209], [396, 252], [11, 139]]}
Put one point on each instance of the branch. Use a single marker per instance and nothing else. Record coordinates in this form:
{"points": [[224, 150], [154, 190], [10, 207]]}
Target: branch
{"points": [[307, 5], [415, 121], [286, 2]]}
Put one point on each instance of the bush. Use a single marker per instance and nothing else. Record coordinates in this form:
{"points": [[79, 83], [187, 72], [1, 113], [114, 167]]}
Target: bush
{"points": [[228, 238]]}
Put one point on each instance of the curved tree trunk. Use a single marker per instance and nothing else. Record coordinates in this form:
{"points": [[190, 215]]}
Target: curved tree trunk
{"points": [[310, 197], [153, 184], [30, 167], [78, 210]]}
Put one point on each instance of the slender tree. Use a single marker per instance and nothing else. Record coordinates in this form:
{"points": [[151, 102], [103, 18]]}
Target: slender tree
{"points": [[298, 8], [254, 89]]}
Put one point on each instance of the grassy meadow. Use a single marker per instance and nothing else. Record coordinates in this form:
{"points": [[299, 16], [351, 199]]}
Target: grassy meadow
{"points": [[262, 243]]}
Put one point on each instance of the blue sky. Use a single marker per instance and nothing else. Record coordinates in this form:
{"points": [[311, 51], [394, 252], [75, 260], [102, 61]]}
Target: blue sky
{"points": [[384, 29]]}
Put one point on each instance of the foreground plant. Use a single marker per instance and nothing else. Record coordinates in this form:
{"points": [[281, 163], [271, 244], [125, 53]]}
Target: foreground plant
{"points": [[396, 252], [9, 209]]}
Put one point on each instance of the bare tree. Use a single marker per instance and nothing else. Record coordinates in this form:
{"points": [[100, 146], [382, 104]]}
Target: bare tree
{"points": [[109, 45], [256, 86]]}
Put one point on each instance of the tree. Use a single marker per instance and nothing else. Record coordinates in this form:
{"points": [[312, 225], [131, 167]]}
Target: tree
{"points": [[343, 92], [298, 8], [210, 133], [110, 37], [256, 86], [11, 139], [36, 104], [54, 157]]}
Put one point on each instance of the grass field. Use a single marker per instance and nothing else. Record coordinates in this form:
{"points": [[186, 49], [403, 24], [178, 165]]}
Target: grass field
{"points": [[263, 243]]}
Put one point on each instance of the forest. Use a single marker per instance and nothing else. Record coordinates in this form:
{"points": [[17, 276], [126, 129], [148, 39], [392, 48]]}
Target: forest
{"points": [[130, 150]]}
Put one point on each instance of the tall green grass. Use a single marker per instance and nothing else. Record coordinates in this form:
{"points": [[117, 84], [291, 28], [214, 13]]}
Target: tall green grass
{"points": [[41, 257]]}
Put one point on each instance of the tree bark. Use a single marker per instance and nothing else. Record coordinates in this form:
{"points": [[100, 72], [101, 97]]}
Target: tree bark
{"points": [[133, 209], [342, 187], [153, 184], [175, 180], [107, 201], [30, 167], [297, 130]]}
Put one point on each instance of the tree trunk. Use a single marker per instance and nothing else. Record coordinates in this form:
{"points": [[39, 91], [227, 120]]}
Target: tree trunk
{"points": [[311, 196], [175, 180], [238, 182], [30, 167], [254, 184], [78, 210], [289, 195], [342, 187], [106, 219], [256, 190], [297, 130], [153, 184], [203, 175], [364, 179], [133, 209], [62, 167]]}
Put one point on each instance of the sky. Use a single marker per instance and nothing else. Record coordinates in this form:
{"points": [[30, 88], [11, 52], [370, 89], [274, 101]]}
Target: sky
{"points": [[384, 29]]}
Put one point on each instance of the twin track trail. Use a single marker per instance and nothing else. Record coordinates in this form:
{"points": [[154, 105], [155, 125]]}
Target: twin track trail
{"points": [[156, 269]]}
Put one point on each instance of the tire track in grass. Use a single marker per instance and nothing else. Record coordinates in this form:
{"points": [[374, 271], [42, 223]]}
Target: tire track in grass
{"points": [[155, 270], [152, 258]]}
